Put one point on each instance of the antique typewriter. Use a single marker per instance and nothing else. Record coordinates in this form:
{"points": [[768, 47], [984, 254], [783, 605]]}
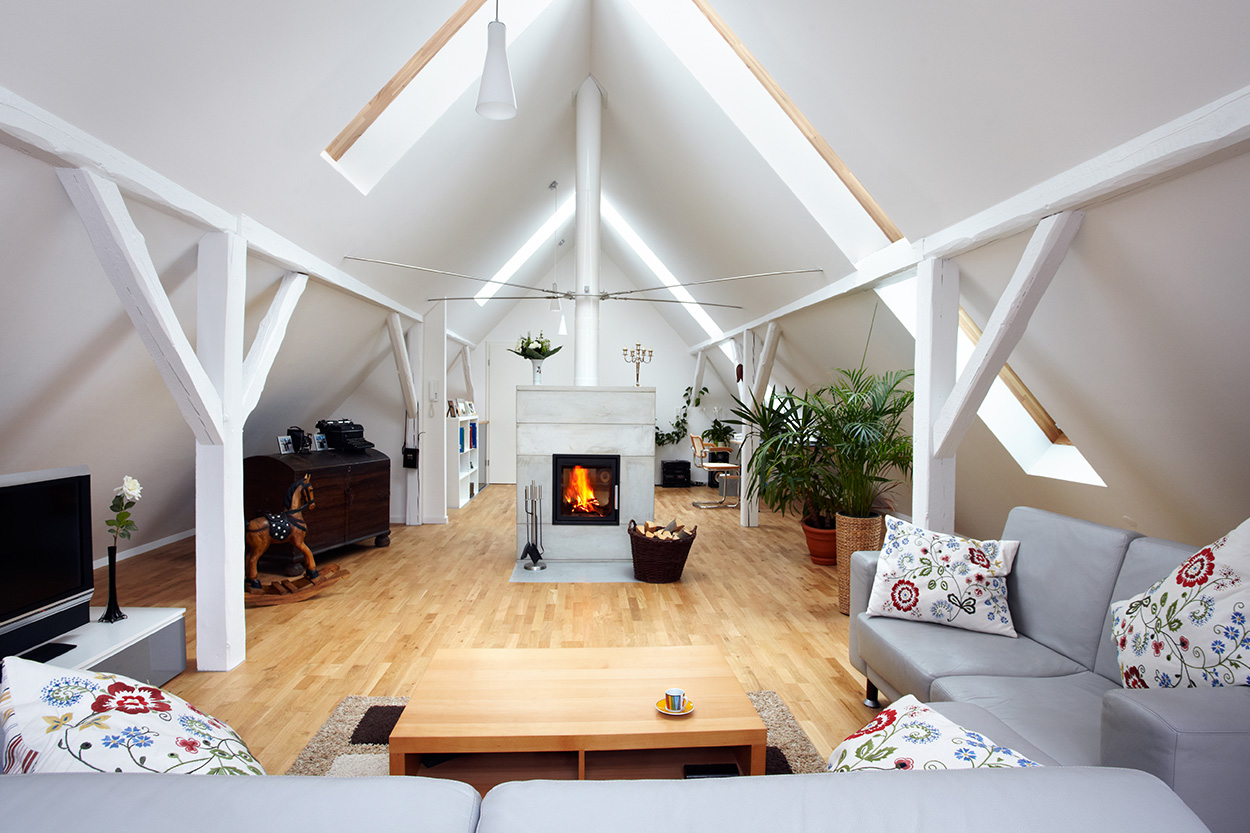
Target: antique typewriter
{"points": [[343, 435]]}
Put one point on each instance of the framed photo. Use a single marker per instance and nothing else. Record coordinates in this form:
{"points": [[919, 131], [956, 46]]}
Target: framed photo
{"points": [[469, 410], [319, 442], [461, 408], [285, 446]]}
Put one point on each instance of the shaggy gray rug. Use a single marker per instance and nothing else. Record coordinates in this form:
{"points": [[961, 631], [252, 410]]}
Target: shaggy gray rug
{"points": [[352, 742]]}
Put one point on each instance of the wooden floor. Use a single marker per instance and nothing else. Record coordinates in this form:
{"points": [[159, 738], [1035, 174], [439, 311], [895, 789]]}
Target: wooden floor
{"points": [[752, 593]]}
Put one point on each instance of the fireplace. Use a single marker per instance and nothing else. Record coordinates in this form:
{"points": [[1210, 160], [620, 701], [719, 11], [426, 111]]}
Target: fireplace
{"points": [[586, 489]]}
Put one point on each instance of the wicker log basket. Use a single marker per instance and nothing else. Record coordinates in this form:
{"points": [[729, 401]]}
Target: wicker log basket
{"points": [[658, 561]]}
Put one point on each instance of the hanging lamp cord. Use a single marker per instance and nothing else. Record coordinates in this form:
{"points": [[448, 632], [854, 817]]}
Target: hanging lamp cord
{"points": [[496, 12]]}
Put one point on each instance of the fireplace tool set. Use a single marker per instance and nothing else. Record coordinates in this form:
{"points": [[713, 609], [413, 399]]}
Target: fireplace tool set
{"points": [[533, 527]]}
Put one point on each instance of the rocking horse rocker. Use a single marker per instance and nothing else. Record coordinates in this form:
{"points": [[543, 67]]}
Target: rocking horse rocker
{"points": [[286, 526]]}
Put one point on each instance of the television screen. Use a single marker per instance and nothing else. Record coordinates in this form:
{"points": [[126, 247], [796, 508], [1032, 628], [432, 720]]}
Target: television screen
{"points": [[46, 558]]}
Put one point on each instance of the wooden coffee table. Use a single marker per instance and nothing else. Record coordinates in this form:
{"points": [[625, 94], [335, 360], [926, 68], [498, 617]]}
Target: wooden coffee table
{"points": [[484, 716]]}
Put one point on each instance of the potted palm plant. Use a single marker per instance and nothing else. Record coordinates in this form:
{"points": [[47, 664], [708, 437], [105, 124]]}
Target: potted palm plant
{"points": [[870, 447], [792, 467]]}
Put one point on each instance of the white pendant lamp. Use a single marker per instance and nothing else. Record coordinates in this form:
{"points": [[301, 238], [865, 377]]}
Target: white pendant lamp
{"points": [[495, 97]]}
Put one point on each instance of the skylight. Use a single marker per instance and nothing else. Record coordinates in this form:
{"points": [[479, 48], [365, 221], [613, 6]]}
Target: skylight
{"points": [[444, 79], [755, 112], [656, 266], [557, 219], [1001, 411]]}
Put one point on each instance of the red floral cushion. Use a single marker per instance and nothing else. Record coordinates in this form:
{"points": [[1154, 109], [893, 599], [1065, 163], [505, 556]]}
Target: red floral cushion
{"points": [[1189, 628], [943, 578]]}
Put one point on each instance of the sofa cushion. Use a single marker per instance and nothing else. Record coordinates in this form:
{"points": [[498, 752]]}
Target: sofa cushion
{"points": [[142, 803], [911, 655], [1025, 800], [909, 735], [972, 716], [1146, 560], [63, 720], [1061, 715], [1189, 628], [939, 577], [1060, 586]]}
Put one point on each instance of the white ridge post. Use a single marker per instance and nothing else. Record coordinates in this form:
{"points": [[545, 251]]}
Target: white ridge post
{"points": [[937, 328], [589, 182]]}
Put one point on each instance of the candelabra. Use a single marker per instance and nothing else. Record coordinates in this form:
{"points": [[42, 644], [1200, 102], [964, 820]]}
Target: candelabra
{"points": [[638, 356]]}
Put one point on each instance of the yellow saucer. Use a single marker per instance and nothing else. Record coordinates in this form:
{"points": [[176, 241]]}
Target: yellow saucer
{"points": [[663, 709]]}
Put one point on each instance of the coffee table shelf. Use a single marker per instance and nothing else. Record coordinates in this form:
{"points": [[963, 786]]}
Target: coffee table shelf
{"points": [[494, 711]]}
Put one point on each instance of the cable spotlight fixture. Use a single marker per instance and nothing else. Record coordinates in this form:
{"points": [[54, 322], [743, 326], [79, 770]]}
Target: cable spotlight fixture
{"points": [[496, 98]]}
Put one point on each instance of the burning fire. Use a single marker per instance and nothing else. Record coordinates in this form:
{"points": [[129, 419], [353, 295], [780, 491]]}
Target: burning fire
{"points": [[578, 495]]}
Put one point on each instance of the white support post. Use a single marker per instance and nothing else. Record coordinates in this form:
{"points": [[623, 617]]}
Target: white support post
{"points": [[700, 368], [748, 510], [937, 337], [434, 445], [412, 428], [769, 354], [124, 255], [465, 366], [399, 349], [220, 625], [269, 338], [1038, 266]]}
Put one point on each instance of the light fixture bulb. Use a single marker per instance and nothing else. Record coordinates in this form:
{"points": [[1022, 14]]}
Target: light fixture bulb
{"points": [[555, 300], [495, 97], [564, 328]]}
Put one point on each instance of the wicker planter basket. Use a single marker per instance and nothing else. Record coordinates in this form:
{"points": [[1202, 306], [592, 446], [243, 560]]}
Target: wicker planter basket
{"points": [[855, 534], [656, 561]]}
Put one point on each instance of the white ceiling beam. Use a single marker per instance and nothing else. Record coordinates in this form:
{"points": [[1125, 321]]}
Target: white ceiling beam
{"points": [[767, 356], [268, 340], [399, 348], [273, 246], [1042, 257], [700, 368], [1147, 158], [34, 130], [123, 253]]}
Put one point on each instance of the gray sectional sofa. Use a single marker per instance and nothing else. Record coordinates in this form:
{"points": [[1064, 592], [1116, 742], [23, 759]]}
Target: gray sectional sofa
{"points": [[1035, 800], [1055, 690]]}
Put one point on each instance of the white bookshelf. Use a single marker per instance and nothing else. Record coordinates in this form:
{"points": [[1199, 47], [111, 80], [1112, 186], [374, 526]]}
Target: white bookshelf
{"points": [[463, 440]]}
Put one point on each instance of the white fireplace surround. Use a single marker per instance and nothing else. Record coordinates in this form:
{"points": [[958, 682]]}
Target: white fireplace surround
{"points": [[585, 420]]}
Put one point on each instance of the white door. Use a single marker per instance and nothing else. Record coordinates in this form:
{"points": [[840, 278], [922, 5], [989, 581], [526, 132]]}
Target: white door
{"points": [[504, 371]]}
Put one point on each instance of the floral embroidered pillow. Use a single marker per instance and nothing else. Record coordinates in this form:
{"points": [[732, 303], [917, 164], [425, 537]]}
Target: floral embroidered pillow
{"points": [[1189, 628], [943, 578], [909, 735], [62, 720]]}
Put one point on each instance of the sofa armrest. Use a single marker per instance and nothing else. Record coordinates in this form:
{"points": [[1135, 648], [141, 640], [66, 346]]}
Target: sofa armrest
{"points": [[863, 571], [1196, 740]]}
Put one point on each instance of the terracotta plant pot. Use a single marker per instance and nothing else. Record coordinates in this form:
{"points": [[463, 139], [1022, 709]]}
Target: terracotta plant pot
{"points": [[822, 545], [855, 534]]}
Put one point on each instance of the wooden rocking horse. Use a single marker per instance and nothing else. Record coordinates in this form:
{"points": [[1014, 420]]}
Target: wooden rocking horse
{"points": [[286, 526]]}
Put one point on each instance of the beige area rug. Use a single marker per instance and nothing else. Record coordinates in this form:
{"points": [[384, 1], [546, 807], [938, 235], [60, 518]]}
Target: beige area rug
{"points": [[352, 742]]}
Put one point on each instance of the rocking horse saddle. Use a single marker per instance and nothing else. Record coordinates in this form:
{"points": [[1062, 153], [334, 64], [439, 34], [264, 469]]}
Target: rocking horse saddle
{"points": [[279, 525]]}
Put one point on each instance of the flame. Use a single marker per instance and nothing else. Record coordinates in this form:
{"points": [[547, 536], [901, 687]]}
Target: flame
{"points": [[578, 495]]}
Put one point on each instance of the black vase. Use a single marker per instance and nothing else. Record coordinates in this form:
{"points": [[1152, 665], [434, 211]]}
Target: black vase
{"points": [[112, 613]]}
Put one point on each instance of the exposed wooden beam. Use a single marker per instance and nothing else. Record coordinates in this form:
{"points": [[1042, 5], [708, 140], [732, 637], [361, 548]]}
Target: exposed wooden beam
{"points": [[1148, 158], [700, 368], [269, 338], [1040, 262], [937, 309], [764, 372], [274, 247], [124, 255], [34, 130], [805, 126], [391, 89], [1016, 385], [399, 348]]}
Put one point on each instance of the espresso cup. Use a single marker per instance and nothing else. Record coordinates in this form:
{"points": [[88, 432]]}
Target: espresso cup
{"points": [[675, 699]]}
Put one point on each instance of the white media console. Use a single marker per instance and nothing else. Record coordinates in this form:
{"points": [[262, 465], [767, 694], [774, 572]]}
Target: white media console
{"points": [[150, 644]]}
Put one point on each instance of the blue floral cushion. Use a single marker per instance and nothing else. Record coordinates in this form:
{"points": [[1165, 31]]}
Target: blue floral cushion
{"points": [[63, 720], [943, 578], [909, 735], [1189, 628]]}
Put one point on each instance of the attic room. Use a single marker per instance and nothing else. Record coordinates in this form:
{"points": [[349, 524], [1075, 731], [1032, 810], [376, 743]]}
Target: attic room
{"points": [[209, 214]]}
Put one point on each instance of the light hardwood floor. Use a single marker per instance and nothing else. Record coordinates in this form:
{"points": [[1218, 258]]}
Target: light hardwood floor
{"points": [[752, 593]]}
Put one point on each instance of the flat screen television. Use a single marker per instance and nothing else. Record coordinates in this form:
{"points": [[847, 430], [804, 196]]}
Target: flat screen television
{"points": [[46, 575]]}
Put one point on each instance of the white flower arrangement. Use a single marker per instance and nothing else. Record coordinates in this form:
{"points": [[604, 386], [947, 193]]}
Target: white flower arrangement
{"points": [[528, 347]]}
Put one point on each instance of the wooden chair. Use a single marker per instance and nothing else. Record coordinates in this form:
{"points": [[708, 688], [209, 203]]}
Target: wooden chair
{"points": [[723, 471]]}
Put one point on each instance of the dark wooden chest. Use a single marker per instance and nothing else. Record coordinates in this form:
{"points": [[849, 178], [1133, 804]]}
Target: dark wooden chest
{"points": [[352, 492]]}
